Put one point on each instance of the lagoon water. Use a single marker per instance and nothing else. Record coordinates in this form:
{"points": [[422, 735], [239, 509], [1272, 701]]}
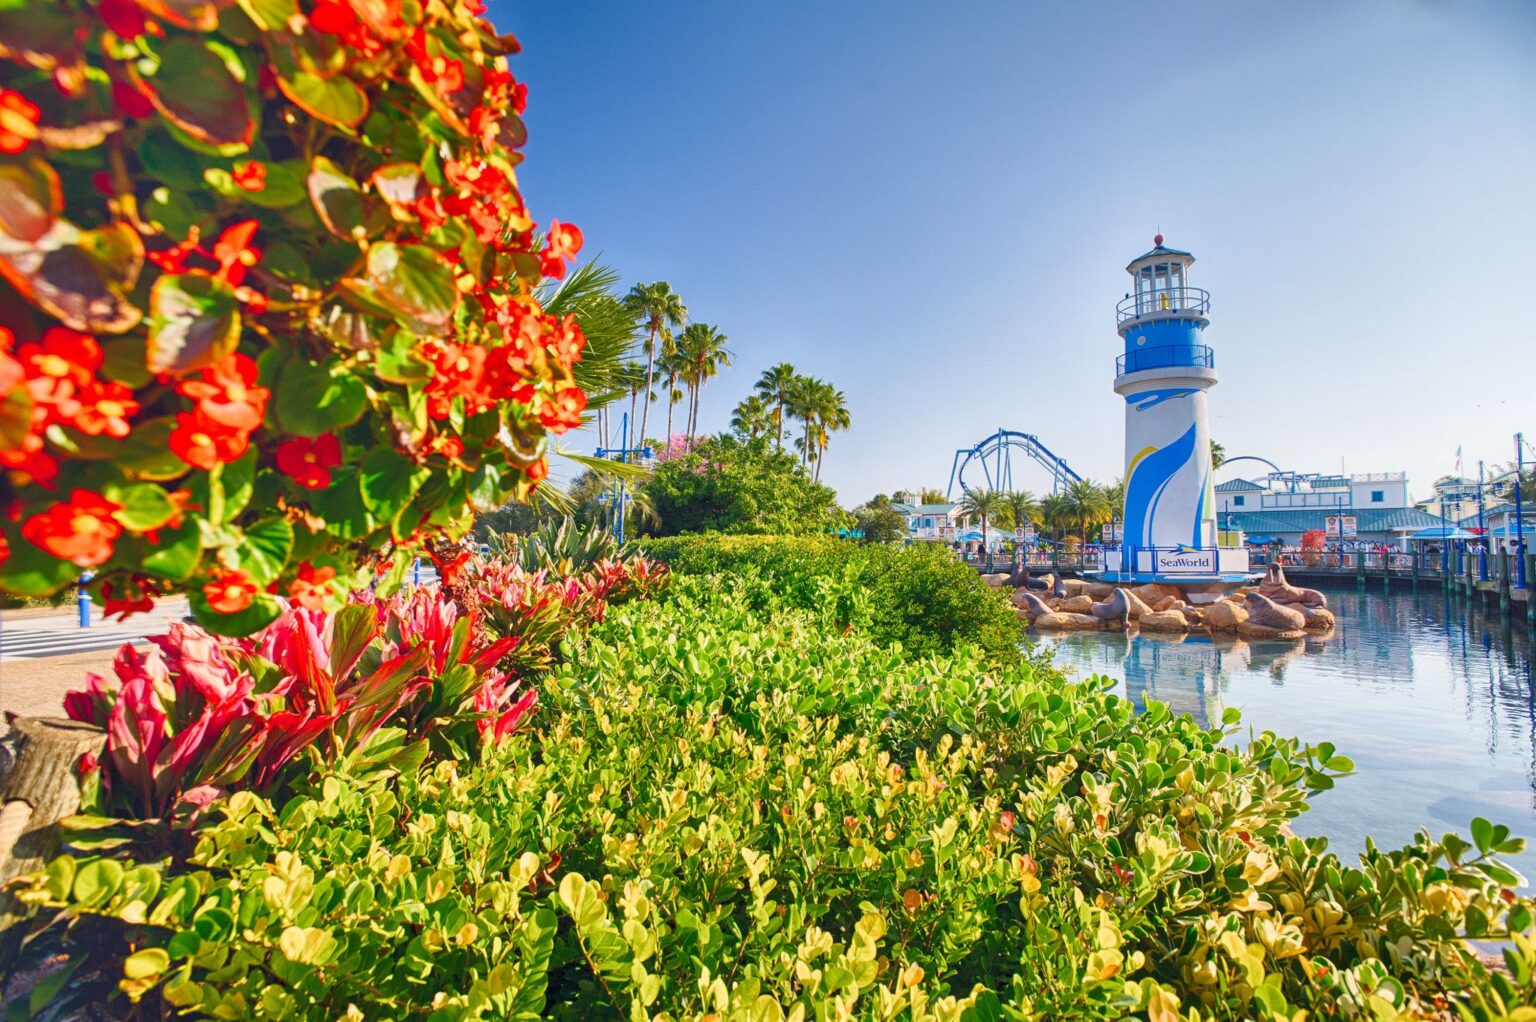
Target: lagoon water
{"points": [[1435, 706]]}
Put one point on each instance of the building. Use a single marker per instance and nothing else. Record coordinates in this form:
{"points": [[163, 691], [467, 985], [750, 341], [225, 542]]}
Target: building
{"points": [[1453, 495], [929, 523], [1288, 504], [1164, 375]]}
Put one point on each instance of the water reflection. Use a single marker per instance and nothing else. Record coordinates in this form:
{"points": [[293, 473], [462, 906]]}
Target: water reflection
{"points": [[1434, 704]]}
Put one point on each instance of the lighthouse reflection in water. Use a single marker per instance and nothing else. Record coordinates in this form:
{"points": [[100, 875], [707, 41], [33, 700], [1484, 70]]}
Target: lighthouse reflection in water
{"points": [[1433, 703]]}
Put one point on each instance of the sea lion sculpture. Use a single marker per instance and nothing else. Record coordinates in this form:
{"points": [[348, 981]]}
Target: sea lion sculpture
{"points": [[1059, 591], [1120, 605], [1030, 604], [1266, 613], [1020, 578], [1041, 585]]}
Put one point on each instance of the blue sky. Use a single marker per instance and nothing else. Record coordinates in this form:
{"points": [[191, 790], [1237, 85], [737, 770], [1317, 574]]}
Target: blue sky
{"points": [[931, 205]]}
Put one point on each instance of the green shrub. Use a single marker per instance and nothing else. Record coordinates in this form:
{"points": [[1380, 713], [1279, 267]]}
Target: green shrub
{"points": [[728, 484], [921, 597], [733, 815]]}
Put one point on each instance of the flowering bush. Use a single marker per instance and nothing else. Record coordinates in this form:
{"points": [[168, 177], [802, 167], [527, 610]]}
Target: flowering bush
{"points": [[267, 279], [199, 715]]}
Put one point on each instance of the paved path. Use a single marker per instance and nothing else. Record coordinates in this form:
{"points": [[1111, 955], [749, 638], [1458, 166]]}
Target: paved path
{"points": [[58, 633]]}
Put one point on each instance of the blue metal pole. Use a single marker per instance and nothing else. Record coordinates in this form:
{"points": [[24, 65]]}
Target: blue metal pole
{"points": [[83, 599], [1519, 513], [416, 572], [1482, 529], [618, 484]]}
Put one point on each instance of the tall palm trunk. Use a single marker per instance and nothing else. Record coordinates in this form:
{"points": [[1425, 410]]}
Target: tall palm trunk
{"points": [[671, 403], [650, 373], [778, 436]]}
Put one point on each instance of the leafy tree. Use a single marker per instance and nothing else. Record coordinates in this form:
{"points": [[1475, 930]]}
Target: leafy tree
{"points": [[672, 367], [775, 387], [879, 521], [822, 409], [702, 353], [1218, 455], [728, 484], [660, 309], [1055, 515], [752, 417], [983, 506]]}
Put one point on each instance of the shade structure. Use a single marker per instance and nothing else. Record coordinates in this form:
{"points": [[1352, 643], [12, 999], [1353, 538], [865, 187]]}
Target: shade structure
{"points": [[1260, 540], [1441, 532]]}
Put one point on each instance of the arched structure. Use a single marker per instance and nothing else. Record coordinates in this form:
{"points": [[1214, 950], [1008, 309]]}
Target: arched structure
{"points": [[990, 462]]}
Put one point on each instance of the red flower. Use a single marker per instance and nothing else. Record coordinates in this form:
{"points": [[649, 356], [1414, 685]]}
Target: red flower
{"points": [[124, 17], [128, 99], [560, 247], [449, 568], [333, 18], [105, 408], [18, 121], [80, 531], [230, 591], [64, 357], [5, 548], [538, 470], [203, 443], [309, 462], [29, 463], [484, 125], [311, 588], [564, 411], [234, 251], [226, 393], [447, 75], [134, 600], [251, 175], [566, 341]]}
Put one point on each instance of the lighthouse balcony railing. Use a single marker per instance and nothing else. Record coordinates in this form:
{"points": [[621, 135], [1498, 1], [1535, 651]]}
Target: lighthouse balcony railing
{"points": [[1168, 301], [1178, 355]]}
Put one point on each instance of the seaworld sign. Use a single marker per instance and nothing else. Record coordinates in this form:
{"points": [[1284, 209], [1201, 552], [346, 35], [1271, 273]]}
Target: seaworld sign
{"points": [[1174, 562]]}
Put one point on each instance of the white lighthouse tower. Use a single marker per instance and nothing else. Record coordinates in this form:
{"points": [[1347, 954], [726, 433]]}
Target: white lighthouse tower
{"points": [[1164, 375]]}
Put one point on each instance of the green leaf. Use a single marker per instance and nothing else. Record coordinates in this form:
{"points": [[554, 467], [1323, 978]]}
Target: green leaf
{"points": [[30, 198], [316, 399], [97, 881], [265, 549], [270, 15], [29, 571], [194, 321], [165, 161], [283, 187], [415, 281], [388, 480], [15, 418], [194, 90], [82, 277], [145, 506], [339, 100], [263, 610], [151, 961], [1482, 834], [176, 555], [343, 208]]}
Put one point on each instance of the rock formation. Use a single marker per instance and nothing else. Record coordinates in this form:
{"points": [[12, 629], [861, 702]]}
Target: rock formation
{"points": [[1266, 613], [1163, 621], [1056, 620]]}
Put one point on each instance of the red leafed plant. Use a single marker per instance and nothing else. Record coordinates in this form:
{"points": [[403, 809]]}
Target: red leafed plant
{"points": [[266, 296]]}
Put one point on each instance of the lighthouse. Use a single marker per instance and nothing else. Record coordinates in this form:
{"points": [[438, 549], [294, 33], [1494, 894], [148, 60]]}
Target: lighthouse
{"points": [[1165, 375]]}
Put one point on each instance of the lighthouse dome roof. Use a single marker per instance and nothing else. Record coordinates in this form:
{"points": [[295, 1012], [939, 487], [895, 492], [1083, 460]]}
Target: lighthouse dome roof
{"points": [[1160, 251]]}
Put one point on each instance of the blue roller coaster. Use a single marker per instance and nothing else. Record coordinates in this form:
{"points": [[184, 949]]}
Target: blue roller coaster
{"points": [[993, 459]]}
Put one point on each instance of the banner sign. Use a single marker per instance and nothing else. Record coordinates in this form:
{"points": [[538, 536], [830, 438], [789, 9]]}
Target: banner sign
{"points": [[1112, 532], [1187, 562], [1340, 526]]}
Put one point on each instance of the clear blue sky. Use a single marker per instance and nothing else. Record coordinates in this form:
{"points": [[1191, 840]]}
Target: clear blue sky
{"points": [[931, 204]]}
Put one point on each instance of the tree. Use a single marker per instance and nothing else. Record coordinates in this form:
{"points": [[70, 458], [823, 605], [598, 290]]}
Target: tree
{"points": [[671, 367], [775, 387], [932, 496], [632, 378], [1055, 515], [702, 353], [879, 521], [660, 309], [752, 417], [728, 484], [1088, 504], [1218, 455], [1023, 508], [984, 505], [822, 409], [590, 294]]}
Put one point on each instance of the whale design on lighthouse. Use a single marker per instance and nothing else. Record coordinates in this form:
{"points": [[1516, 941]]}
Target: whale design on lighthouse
{"points": [[1165, 374]]}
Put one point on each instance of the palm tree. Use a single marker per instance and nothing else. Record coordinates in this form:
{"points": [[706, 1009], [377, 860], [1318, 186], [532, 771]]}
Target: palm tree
{"points": [[800, 403], [982, 504], [632, 377], [774, 388], [1055, 514], [752, 417], [661, 309], [831, 416], [1023, 508], [702, 353], [589, 293], [671, 367], [1218, 455], [1088, 505]]}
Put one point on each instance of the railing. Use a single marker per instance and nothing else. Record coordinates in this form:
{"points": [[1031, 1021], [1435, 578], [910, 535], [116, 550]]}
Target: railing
{"points": [[1168, 300], [1037, 560], [1198, 355]]}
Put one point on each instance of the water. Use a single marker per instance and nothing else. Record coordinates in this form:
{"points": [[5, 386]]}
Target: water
{"points": [[1434, 705]]}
